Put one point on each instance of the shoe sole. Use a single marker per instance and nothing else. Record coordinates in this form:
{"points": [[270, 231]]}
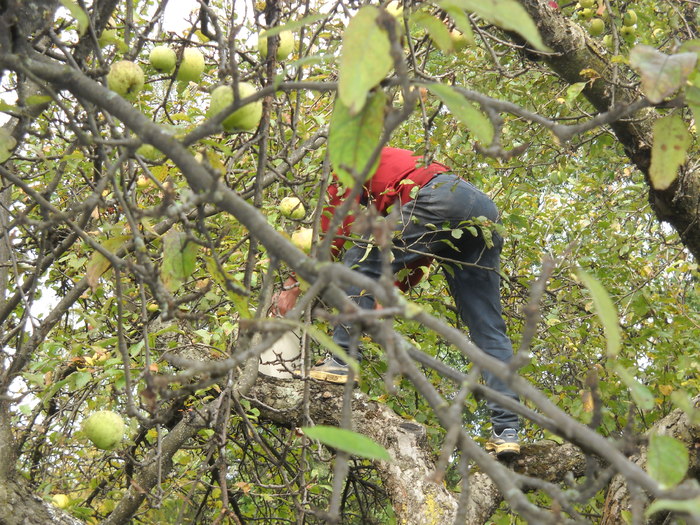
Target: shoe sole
{"points": [[504, 450], [329, 377]]}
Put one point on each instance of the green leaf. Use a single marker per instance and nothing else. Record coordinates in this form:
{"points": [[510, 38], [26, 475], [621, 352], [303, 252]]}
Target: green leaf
{"points": [[240, 302], [641, 395], [79, 15], [465, 112], [293, 26], [606, 311], [661, 74], [506, 14], [80, 379], [667, 460], [573, 91], [681, 399], [7, 144], [324, 340], [347, 441], [327, 342], [98, 263], [360, 70], [353, 138], [37, 99], [671, 142], [179, 258], [436, 29], [692, 99], [689, 506], [462, 23]]}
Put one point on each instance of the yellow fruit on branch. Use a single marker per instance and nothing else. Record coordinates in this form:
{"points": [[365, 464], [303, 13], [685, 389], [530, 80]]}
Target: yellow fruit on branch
{"points": [[60, 500], [395, 9], [459, 40], [596, 27], [246, 118], [104, 428], [125, 78], [303, 239], [284, 48], [292, 208], [163, 58], [192, 65]]}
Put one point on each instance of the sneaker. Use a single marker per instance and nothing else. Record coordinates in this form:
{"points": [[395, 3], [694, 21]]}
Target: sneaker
{"points": [[505, 444], [330, 370]]}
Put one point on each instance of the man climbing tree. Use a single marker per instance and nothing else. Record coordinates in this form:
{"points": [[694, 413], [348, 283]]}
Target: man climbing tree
{"points": [[430, 205]]}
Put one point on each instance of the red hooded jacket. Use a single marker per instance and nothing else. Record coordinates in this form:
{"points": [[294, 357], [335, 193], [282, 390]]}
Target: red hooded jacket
{"points": [[399, 172]]}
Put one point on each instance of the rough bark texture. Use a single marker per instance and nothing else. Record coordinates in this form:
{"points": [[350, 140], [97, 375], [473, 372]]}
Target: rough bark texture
{"points": [[678, 425], [575, 51], [409, 480], [19, 506]]}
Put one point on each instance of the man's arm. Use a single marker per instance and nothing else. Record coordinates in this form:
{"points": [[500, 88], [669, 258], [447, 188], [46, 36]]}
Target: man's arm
{"points": [[284, 300]]}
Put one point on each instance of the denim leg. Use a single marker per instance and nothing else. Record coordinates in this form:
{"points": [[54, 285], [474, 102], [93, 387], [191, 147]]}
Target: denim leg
{"points": [[476, 292], [424, 229], [475, 286], [368, 264]]}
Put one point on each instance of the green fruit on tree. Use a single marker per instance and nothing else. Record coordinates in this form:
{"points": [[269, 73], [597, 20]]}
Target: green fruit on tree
{"points": [[125, 78], [596, 27], [628, 33], [630, 18], [395, 9], [192, 66], [149, 152], [303, 239], [459, 40], [292, 208], [60, 500], [587, 4], [245, 118], [284, 49], [587, 13], [163, 58], [104, 428], [108, 36], [608, 42]]}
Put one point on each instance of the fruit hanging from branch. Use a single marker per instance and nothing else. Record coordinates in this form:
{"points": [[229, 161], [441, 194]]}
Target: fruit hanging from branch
{"points": [[125, 78], [105, 429], [246, 118], [192, 66], [163, 59]]}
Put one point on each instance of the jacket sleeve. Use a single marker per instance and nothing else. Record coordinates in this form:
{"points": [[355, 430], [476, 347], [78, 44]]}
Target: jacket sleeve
{"points": [[416, 272], [335, 199]]}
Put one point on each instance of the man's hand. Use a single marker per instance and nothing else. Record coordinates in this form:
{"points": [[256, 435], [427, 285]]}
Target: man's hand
{"points": [[285, 299]]}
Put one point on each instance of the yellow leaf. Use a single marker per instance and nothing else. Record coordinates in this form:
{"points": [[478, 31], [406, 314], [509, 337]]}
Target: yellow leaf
{"points": [[666, 389], [587, 399]]}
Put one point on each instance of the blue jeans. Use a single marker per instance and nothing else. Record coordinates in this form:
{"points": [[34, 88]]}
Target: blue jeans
{"points": [[425, 226]]}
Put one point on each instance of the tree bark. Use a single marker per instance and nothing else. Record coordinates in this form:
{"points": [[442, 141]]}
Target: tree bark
{"points": [[573, 52], [410, 481], [678, 425], [19, 506]]}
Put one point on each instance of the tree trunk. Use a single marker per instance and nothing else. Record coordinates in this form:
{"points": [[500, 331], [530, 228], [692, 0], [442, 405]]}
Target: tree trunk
{"points": [[416, 497], [575, 51], [678, 425], [19, 506]]}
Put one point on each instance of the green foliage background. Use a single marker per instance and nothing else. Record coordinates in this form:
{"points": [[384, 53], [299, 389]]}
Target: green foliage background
{"points": [[580, 203]]}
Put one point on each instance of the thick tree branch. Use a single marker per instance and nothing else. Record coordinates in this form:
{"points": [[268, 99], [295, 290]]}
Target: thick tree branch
{"points": [[574, 52]]}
